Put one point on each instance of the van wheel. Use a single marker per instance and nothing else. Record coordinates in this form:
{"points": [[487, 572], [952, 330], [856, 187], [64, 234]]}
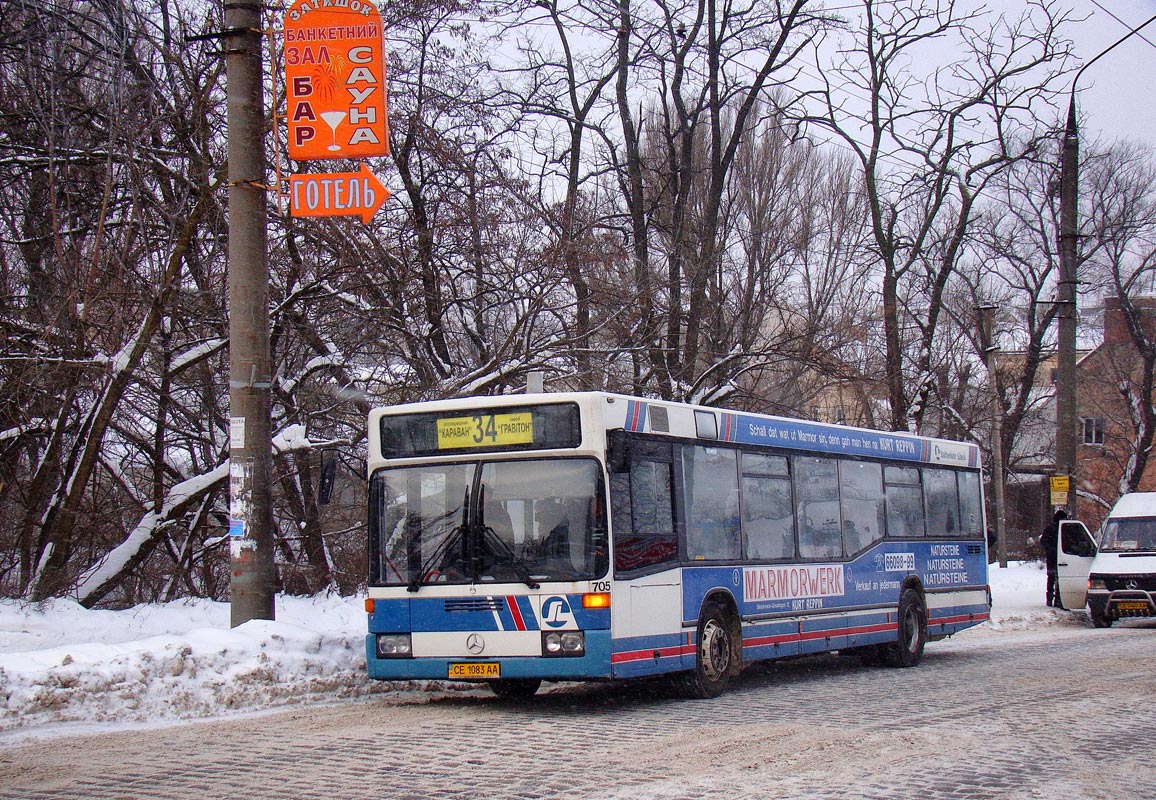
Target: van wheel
{"points": [[515, 688], [715, 656], [1099, 620], [907, 650]]}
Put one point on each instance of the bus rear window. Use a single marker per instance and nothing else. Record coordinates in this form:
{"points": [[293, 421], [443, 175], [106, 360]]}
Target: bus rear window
{"points": [[481, 430]]}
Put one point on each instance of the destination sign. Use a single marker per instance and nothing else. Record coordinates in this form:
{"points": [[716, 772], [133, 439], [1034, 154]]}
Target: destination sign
{"points": [[525, 427], [485, 430]]}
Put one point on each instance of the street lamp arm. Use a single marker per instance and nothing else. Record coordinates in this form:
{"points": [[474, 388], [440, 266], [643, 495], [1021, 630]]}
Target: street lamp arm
{"points": [[1066, 295], [1101, 54]]}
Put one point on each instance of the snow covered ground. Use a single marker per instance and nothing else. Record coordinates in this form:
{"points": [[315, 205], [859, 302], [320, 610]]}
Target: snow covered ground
{"points": [[67, 669]]}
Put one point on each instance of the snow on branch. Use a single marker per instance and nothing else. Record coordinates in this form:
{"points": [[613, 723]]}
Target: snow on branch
{"points": [[334, 361], [94, 581], [20, 430], [195, 354]]}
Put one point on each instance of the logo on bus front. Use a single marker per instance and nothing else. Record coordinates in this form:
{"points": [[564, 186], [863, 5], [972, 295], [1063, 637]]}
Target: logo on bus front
{"points": [[556, 612]]}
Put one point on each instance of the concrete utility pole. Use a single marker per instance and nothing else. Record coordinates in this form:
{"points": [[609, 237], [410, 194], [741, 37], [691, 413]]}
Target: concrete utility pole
{"points": [[250, 505], [987, 331], [1066, 300], [1066, 292]]}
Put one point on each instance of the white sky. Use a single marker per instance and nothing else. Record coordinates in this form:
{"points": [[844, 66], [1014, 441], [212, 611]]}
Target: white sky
{"points": [[1116, 96]]}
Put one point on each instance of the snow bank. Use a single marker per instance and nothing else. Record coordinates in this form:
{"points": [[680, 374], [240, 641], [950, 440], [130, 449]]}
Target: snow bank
{"points": [[61, 663], [1018, 594]]}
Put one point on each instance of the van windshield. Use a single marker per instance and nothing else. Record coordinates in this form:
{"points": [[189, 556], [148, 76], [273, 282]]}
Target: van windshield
{"points": [[1129, 534]]}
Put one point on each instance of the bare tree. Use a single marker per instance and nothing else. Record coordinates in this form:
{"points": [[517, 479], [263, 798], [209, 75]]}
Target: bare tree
{"points": [[117, 214], [715, 68], [929, 146]]}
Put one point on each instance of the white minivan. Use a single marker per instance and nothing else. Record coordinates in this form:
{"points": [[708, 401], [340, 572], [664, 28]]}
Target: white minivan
{"points": [[1118, 578]]}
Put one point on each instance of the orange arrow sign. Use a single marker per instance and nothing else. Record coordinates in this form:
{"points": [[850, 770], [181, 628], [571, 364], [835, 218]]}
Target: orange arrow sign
{"points": [[337, 194]]}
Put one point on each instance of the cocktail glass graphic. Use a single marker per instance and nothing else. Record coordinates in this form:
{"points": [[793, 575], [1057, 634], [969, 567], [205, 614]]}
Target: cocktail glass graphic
{"points": [[333, 119]]}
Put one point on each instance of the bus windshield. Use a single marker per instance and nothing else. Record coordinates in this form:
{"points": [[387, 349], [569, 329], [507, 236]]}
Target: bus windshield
{"points": [[525, 521]]}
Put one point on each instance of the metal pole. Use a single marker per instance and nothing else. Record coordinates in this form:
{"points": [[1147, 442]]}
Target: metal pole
{"points": [[250, 508], [997, 469]]}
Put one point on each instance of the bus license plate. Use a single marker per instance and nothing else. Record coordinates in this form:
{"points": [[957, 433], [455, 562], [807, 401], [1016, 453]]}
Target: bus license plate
{"points": [[1132, 605], [475, 670]]}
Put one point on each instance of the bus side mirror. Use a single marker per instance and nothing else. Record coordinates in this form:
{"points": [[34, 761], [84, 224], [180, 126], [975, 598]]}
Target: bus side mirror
{"points": [[328, 476], [617, 452]]}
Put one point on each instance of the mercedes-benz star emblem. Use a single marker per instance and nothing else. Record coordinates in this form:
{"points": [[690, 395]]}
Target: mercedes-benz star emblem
{"points": [[475, 643], [1131, 584]]}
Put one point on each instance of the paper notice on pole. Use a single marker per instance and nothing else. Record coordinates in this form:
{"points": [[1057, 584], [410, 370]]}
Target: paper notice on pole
{"points": [[237, 433]]}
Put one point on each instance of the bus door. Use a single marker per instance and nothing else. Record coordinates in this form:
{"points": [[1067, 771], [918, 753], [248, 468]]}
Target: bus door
{"points": [[1075, 552]]}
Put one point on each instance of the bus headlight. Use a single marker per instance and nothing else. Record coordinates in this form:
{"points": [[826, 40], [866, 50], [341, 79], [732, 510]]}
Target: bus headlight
{"points": [[394, 645], [564, 643], [1096, 583]]}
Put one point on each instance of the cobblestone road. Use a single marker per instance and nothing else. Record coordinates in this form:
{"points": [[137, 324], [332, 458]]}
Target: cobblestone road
{"points": [[1068, 713]]}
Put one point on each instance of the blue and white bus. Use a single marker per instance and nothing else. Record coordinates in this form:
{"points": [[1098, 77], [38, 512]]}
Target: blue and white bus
{"points": [[592, 536]]}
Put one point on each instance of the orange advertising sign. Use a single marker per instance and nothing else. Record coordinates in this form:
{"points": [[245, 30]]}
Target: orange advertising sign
{"points": [[335, 80], [337, 194]]}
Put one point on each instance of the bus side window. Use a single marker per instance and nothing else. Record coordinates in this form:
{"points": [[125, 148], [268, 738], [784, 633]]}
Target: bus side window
{"points": [[768, 511], [861, 499], [942, 502], [817, 495], [970, 504], [642, 514], [904, 499], [711, 481]]}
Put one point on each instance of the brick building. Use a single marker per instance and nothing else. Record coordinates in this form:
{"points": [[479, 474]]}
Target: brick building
{"points": [[1105, 439], [1107, 434]]}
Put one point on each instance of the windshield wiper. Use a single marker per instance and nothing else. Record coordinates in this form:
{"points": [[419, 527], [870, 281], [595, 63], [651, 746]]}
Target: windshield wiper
{"points": [[507, 556], [503, 549], [441, 550]]}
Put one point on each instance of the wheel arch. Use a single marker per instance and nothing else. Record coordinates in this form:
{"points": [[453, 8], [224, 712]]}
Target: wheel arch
{"points": [[913, 582], [725, 600], [721, 597]]}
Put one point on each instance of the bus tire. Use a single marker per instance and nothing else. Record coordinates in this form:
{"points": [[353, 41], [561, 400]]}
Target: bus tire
{"points": [[907, 649], [715, 654], [872, 655], [515, 688]]}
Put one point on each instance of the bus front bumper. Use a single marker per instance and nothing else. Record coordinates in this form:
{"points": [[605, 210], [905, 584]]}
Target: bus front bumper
{"points": [[592, 664]]}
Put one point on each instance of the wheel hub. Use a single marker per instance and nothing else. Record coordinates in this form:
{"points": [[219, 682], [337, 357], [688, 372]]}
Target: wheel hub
{"points": [[716, 650]]}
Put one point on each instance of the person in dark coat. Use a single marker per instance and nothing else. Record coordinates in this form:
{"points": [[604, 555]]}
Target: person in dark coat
{"points": [[1049, 540]]}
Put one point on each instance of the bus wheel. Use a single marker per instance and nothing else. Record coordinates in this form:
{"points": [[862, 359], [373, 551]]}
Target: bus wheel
{"points": [[907, 650], [515, 688], [872, 656], [714, 657]]}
